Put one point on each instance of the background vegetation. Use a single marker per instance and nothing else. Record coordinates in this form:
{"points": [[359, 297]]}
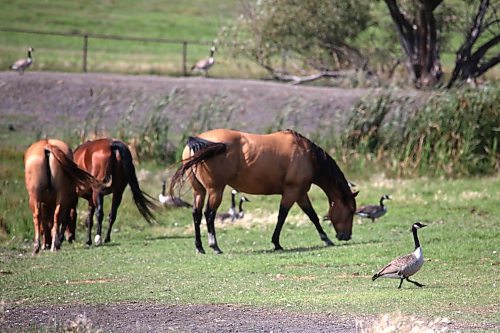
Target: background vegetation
{"points": [[333, 35], [447, 142]]}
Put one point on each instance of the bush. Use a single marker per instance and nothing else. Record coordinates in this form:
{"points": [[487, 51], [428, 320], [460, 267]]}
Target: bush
{"points": [[452, 133]]}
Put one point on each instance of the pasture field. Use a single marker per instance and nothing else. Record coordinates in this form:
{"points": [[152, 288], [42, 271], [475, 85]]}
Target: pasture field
{"points": [[195, 21], [157, 263]]}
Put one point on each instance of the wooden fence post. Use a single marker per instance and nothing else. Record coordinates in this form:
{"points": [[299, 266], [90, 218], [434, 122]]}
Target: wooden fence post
{"points": [[85, 47], [184, 57]]}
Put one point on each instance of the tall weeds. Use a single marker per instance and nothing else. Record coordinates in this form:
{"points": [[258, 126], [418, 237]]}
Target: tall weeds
{"points": [[452, 133]]}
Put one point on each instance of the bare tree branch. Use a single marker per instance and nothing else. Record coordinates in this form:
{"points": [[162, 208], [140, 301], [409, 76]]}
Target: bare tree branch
{"points": [[471, 64]]}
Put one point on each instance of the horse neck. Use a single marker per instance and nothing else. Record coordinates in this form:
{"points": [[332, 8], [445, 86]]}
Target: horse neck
{"points": [[331, 192]]}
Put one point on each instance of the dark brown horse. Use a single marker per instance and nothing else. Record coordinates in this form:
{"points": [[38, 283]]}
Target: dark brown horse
{"points": [[284, 163], [110, 162], [52, 179]]}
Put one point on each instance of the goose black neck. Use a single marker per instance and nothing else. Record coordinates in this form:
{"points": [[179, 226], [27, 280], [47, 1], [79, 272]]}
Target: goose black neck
{"points": [[29, 54], [163, 188], [382, 201], [415, 238], [233, 203], [241, 205]]}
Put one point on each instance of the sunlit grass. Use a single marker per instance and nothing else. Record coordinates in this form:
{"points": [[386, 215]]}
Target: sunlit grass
{"points": [[158, 263]]}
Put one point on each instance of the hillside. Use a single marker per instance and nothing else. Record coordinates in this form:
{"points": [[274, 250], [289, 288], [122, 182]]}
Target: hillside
{"points": [[46, 102]]}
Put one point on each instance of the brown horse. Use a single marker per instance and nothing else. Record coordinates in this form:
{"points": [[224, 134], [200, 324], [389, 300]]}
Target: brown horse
{"points": [[52, 179], [110, 162], [283, 163]]}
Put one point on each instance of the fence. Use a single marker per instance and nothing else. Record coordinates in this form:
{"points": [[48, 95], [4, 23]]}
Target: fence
{"points": [[85, 39]]}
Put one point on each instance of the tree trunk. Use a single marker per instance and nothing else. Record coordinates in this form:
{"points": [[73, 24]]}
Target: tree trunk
{"points": [[468, 64], [418, 37]]}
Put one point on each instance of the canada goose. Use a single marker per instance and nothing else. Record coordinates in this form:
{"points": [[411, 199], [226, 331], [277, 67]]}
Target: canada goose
{"points": [[231, 213], [205, 64], [21, 64], [373, 211], [405, 266], [167, 200], [241, 213]]}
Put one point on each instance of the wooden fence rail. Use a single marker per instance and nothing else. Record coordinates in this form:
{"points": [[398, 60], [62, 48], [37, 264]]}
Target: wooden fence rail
{"points": [[86, 36]]}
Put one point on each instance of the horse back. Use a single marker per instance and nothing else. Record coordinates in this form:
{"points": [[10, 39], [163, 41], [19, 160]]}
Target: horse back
{"points": [[257, 164], [95, 157]]}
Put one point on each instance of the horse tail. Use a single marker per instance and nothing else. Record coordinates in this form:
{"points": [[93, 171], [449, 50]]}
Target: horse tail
{"points": [[201, 150], [142, 200], [81, 177], [47, 169]]}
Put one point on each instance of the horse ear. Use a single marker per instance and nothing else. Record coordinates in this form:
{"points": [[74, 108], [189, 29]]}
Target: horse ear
{"points": [[355, 194]]}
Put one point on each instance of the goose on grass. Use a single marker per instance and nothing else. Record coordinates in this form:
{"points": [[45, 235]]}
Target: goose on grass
{"points": [[405, 266]]}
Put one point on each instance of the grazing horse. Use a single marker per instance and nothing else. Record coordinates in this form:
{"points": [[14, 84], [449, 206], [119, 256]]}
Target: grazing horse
{"points": [[283, 163], [111, 163], [52, 179]]}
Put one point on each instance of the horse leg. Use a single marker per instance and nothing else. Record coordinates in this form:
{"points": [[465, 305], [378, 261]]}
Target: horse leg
{"points": [[214, 200], [90, 223], [37, 218], [100, 217], [64, 223], [71, 230], [55, 227], [199, 193], [212, 239], [306, 206], [46, 216], [117, 199], [282, 214]]}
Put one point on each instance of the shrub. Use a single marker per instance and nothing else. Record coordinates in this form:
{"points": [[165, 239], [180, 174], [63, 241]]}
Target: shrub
{"points": [[452, 133]]}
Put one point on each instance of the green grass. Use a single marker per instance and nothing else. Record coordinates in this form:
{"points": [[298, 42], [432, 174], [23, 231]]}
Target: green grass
{"points": [[195, 21], [158, 263]]}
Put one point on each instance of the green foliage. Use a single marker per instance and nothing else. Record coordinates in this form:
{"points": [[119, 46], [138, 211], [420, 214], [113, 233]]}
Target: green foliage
{"points": [[317, 34], [452, 133], [152, 141], [456, 133]]}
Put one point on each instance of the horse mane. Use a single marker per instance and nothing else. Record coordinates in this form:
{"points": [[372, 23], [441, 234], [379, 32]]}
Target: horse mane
{"points": [[326, 165], [201, 150]]}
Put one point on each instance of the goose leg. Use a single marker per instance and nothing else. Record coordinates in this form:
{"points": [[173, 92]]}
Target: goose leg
{"points": [[401, 283], [415, 283]]}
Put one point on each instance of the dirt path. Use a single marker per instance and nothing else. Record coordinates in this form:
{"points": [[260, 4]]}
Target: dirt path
{"points": [[150, 317]]}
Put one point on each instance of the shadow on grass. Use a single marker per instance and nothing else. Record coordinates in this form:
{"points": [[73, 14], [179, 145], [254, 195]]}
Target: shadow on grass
{"points": [[168, 237], [306, 249]]}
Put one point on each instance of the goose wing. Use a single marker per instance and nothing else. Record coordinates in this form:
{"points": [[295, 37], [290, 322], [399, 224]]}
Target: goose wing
{"points": [[20, 63], [368, 210], [396, 267]]}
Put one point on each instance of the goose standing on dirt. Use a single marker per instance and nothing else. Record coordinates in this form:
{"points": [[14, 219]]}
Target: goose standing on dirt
{"points": [[405, 266], [231, 213], [21, 64], [373, 211], [205, 64], [241, 212], [169, 201]]}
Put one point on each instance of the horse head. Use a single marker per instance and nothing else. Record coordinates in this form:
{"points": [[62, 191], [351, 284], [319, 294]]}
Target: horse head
{"points": [[341, 215]]}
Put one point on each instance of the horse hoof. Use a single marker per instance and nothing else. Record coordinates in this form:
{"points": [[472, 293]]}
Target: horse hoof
{"points": [[218, 251], [200, 251], [97, 240], [329, 243], [278, 248]]}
